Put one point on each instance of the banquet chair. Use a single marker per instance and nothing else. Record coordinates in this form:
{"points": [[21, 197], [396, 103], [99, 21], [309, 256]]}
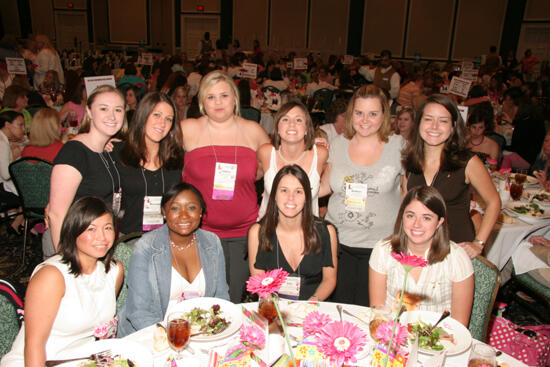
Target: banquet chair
{"points": [[487, 282], [10, 322], [538, 290], [322, 98], [123, 253], [251, 113], [31, 177]]}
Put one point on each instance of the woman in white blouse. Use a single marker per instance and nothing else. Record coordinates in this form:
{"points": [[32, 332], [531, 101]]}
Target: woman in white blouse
{"points": [[446, 283]]}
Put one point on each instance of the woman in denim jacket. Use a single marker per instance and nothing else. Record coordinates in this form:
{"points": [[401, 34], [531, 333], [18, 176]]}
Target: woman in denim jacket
{"points": [[174, 262]]}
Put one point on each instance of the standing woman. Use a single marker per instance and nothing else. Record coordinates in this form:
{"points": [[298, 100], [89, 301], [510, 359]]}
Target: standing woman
{"points": [[365, 175], [150, 162], [292, 142], [437, 157], [82, 167], [289, 236], [221, 162]]}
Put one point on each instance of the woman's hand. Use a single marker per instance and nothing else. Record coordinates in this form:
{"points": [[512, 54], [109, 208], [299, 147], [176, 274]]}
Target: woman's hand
{"points": [[109, 146], [541, 176], [539, 240], [322, 142], [472, 248]]}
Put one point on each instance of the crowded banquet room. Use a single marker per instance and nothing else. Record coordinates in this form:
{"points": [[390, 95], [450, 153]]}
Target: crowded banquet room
{"points": [[228, 183]]}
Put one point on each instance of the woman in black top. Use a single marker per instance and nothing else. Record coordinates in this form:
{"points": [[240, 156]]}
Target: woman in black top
{"points": [[290, 237], [150, 161]]}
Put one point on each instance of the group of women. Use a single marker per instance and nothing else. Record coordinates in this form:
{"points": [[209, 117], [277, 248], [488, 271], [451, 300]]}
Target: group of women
{"points": [[206, 240]]}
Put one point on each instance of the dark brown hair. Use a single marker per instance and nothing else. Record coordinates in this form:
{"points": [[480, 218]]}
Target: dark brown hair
{"points": [[433, 200], [134, 150], [454, 155], [268, 224]]}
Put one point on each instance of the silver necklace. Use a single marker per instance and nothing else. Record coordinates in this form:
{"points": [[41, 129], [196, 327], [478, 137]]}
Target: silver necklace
{"points": [[184, 247], [291, 162]]}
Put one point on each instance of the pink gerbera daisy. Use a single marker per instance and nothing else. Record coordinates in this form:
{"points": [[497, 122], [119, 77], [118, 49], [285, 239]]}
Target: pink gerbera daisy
{"points": [[252, 336], [314, 322], [266, 283], [340, 341], [409, 261], [383, 333]]}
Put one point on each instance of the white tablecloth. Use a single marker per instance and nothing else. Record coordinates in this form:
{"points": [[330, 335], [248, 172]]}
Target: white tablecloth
{"points": [[202, 349]]}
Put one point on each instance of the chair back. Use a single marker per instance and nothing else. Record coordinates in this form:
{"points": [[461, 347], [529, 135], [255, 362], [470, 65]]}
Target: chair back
{"points": [[10, 302], [272, 97], [487, 282], [31, 177], [123, 253], [322, 99], [251, 113]]}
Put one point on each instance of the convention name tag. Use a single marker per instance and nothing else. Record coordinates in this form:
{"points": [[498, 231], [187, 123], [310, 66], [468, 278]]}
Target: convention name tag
{"points": [[224, 181], [152, 215], [290, 288], [356, 197]]}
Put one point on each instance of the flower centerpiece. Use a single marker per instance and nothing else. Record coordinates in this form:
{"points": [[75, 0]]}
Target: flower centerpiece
{"points": [[338, 341], [266, 286], [398, 335], [251, 338]]}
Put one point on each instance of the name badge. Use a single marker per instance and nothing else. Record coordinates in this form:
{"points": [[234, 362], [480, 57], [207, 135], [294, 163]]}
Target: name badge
{"points": [[117, 200], [290, 288], [152, 215], [224, 181], [356, 197]]}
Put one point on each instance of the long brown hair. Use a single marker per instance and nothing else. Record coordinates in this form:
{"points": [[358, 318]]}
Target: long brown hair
{"points": [[134, 150], [268, 224], [454, 155], [433, 200], [309, 138]]}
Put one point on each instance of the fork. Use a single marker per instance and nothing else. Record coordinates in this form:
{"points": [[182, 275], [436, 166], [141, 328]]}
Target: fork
{"points": [[95, 357]]}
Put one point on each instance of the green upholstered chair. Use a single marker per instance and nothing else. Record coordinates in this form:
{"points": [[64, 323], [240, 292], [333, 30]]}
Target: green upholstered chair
{"points": [[487, 282], [123, 253], [31, 177], [251, 113], [9, 321], [541, 292]]}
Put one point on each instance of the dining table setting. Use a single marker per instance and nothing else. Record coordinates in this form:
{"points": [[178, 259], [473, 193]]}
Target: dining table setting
{"points": [[249, 339]]}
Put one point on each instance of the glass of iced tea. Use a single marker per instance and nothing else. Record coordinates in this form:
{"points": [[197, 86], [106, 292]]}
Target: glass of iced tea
{"points": [[178, 331], [266, 307], [516, 190], [381, 314], [482, 355]]}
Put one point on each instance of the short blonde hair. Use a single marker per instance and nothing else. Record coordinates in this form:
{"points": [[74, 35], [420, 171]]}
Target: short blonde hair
{"points": [[369, 91], [45, 128], [212, 78], [86, 122]]}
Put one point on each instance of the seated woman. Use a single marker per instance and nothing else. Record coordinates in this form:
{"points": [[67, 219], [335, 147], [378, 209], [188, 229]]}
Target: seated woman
{"points": [[405, 126], [174, 262], [45, 135], [541, 167], [74, 292], [480, 122], [290, 237], [446, 283], [74, 109]]}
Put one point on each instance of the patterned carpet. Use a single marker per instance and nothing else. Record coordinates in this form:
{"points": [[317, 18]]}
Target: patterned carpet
{"points": [[519, 311]]}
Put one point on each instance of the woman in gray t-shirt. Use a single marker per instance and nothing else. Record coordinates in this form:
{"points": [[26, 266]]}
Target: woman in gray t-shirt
{"points": [[364, 175]]}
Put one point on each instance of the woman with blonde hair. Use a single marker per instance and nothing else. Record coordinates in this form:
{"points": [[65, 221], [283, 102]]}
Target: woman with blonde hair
{"points": [[181, 101], [82, 167], [220, 161], [45, 135], [364, 175]]}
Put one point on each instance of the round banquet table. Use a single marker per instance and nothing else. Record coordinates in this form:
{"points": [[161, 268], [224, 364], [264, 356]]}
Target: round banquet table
{"points": [[201, 350]]}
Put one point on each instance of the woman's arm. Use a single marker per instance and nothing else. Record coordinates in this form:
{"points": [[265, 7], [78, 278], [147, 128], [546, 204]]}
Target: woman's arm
{"points": [[324, 189], [253, 241], [262, 155], [64, 183], [324, 290], [42, 300], [477, 175], [377, 288], [462, 299]]}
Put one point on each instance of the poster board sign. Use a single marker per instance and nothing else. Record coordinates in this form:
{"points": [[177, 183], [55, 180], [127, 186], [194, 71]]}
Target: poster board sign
{"points": [[92, 82], [300, 63], [467, 65], [470, 74], [348, 60], [16, 65], [464, 113], [249, 70], [146, 59], [460, 86]]}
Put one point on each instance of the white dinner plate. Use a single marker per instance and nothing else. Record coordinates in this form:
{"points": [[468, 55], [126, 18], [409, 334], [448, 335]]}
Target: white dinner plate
{"points": [[461, 335], [230, 311], [125, 348], [529, 182], [509, 206]]}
